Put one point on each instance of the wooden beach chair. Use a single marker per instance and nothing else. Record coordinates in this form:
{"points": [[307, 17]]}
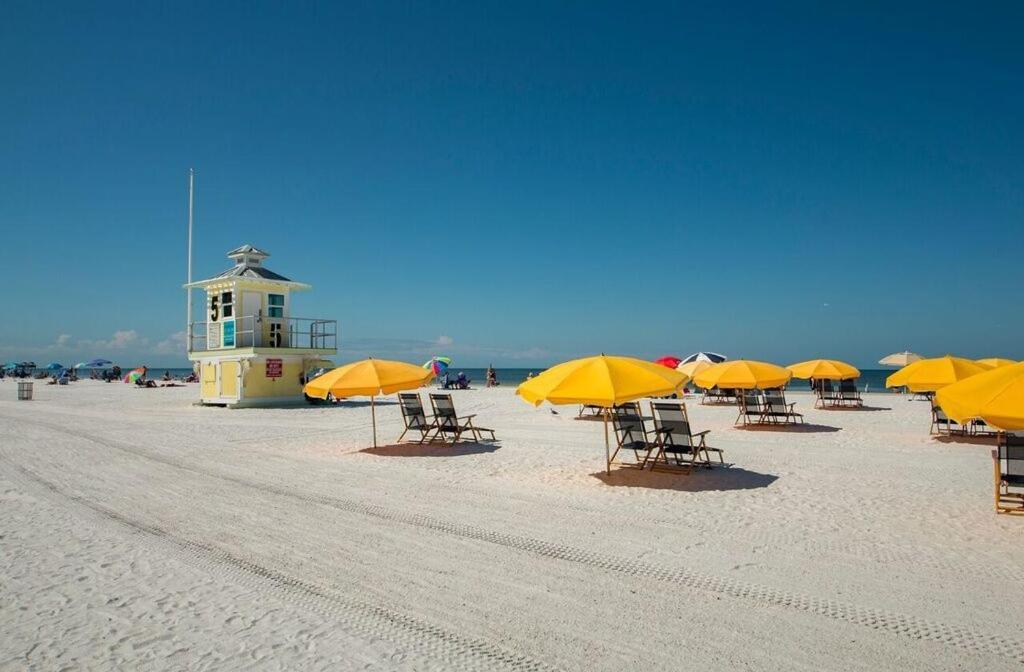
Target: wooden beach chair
{"points": [[751, 408], [448, 423], [942, 423], [777, 412], [849, 395], [1008, 470], [674, 437], [717, 395], [590, 411], [630, 433], [415, 418]]}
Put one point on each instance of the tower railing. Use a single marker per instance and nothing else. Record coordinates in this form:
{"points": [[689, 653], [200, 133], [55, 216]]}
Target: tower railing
{"points": [[260, 331]]}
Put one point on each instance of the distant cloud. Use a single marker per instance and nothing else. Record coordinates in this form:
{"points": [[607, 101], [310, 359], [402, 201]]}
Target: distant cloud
{"points": [[62, 342], [445, 340], [121, 340], [172, 345]]}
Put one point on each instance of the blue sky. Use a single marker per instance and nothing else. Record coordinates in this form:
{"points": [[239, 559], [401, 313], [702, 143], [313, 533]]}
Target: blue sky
{"points": [[521, 183]]}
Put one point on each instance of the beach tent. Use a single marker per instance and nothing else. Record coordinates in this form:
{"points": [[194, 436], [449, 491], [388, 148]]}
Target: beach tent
{"points": [[996, 396], [711, 357], [743, 374], [900, 358], [822, 369], [603, 381], [368, 378], [929, 375]]}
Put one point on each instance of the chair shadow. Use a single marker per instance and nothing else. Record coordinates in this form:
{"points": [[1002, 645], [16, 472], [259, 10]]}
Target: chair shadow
{"points": [[968, 440], [856, 409], [353, 403], [699, 480], [459, 449], [804, 428]]}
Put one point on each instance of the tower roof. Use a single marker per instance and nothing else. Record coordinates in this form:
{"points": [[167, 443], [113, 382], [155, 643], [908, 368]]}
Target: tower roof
{"points": [[249, 264]]}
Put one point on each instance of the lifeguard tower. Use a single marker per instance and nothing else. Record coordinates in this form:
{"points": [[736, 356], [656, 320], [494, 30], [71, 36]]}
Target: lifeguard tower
{"points": [[249, 349]]}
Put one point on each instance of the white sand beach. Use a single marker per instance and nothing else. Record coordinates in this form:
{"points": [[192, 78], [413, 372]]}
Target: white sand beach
{"points": [[141, 532]]}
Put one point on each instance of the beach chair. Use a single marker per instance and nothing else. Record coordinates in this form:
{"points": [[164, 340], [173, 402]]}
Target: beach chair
{"points": [[630, 433], [942, 423], [716, 395], [777, 412], [414, 416], [590, 411], [849, 395], [447, 422], [674, 437], [825, 394], [1008, 465], [751, 408]]}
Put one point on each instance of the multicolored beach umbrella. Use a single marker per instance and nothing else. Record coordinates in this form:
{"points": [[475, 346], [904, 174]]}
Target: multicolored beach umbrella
{"points": [[712, 357], [669, 361], [438, 365], [134, 375]]}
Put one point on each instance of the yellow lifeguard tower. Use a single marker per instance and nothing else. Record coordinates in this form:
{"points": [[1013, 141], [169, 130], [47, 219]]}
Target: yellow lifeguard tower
{"points": [[249, 349]]}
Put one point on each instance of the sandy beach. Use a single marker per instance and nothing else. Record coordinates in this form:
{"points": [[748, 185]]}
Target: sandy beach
{"points": [[142, 532]]}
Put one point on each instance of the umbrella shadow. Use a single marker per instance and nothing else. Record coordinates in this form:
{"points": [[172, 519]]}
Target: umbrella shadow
{"points": [[968, 440], [352, 403], [856, 409], [699, 480], [803, 428], [460, 449]]}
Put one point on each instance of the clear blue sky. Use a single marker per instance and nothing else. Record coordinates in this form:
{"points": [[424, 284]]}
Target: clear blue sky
{"points": [[520, 183]]}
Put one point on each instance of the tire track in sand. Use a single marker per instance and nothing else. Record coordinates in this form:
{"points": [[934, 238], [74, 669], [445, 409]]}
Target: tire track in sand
{"points": [[904, 625], [359, 616]]}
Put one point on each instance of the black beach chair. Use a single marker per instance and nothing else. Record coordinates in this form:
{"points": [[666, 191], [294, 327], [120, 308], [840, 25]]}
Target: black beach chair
{"points": [[630, 433], [448, 423], [674, 437], [415, 418], [825, 394], [1008, 463], [751, 407], [777, 412], [849, 395], [942, 423]]}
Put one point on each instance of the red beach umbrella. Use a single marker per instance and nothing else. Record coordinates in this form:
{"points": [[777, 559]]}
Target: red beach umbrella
{"points": [[669, 361]]}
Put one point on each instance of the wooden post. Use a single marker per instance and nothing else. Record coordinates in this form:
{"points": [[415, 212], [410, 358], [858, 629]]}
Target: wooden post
{"points": [[607, 448], [373, 415]]}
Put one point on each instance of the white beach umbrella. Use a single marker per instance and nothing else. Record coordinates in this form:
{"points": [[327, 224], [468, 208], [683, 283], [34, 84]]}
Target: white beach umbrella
{"points": [[900, 358], [712, 357]]}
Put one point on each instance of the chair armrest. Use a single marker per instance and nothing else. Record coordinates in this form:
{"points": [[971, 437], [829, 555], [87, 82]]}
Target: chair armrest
{"points": [[466, 417], [704, 433]]}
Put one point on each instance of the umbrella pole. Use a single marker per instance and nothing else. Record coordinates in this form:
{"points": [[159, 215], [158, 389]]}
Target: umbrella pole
{"points": [[373, 415], [607, 449]]}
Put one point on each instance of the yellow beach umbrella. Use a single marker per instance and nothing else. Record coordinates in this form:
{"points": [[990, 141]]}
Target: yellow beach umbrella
{"points": [[368, 378], [928, 375], [826, 369], [691, 369], [900, 358], [743, 374], [601, 381], [996, 362], [996, 396]]}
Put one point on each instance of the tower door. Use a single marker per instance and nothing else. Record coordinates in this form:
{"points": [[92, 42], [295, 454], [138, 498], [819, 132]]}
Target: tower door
{"points": [[252, 318]]}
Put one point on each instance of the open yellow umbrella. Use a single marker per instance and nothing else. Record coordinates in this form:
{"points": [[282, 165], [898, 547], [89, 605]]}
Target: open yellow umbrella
{"points": [[928, 375], [824, 369], [691, 369], [602, 381], [368, 378], [743, 374], [996, 362], [996, 396]]}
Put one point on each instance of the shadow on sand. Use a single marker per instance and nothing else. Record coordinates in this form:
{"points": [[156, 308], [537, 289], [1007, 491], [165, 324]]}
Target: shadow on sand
{"points": [[700, 480], [805, 428], [968, 440], [359, 403], [432, 449], [856, 409]]}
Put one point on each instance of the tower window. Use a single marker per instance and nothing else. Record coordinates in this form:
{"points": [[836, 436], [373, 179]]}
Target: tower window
{"points": [[275, 305], [226, 304]]}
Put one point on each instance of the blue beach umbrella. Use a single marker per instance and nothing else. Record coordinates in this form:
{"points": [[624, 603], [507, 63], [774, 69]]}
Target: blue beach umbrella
{"points": [[96, 364], [10, 366], [54, 366]]}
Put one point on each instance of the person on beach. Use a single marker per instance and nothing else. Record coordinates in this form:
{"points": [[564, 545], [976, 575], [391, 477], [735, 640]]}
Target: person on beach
{"points": [[167, 377], [492, 377]]}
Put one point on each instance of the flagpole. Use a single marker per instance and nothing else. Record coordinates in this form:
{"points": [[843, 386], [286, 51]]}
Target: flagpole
{"points": [[188, 290]]}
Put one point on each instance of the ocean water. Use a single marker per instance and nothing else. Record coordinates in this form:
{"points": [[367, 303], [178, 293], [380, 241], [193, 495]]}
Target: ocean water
{"points": [[871, 380]]}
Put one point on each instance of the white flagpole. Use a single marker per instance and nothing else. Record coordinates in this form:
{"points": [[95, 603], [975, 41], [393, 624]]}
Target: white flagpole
{"points": [[188, 317]]}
